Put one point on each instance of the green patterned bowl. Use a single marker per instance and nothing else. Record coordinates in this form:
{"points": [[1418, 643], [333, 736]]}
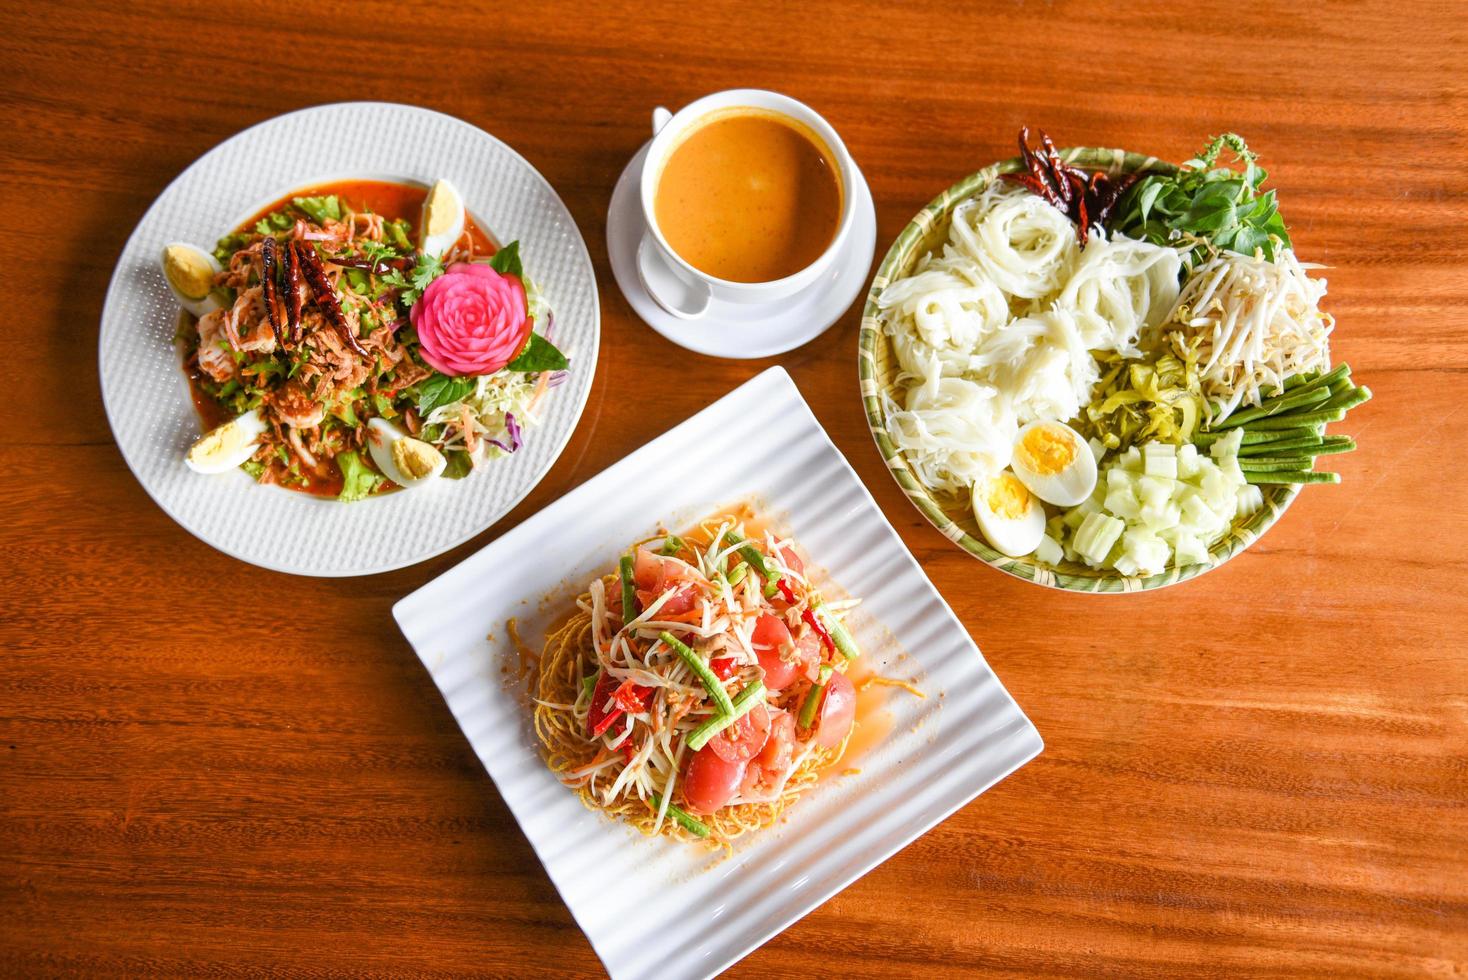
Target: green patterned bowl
{"points": [[876, 367]]}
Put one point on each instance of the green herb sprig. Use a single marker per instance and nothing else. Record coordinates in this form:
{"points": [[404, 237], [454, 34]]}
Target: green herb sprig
{"points": [[1221, 205]]}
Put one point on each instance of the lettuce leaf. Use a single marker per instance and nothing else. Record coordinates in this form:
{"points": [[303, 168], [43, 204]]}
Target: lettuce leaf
{"points": [[358, 482], [320, 208]]}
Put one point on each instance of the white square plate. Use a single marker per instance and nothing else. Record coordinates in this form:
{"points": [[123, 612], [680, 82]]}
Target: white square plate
{"points": [[697, 914]]}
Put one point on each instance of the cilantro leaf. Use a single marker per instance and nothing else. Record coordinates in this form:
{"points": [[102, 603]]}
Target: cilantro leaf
{"points": [[439, 389], [320, 208], [358, 481], [538, 354], [507, 261], [411, 286]]}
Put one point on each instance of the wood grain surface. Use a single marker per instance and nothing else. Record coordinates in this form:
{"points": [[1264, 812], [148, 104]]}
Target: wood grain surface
{"points": [[208, 768]]}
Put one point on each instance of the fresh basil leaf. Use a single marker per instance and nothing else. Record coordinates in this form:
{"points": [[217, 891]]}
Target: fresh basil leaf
{"points": [[321, 209], [439, 390], [507, 261], [358, 481], [538, 354]]}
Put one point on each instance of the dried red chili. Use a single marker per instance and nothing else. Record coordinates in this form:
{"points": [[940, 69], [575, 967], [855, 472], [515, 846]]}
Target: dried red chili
{"points": [[325, 296], [1087, 199]]}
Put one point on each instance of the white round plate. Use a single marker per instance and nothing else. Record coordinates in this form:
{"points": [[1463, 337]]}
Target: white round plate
{"points": [[741, 330], [147, 397]]}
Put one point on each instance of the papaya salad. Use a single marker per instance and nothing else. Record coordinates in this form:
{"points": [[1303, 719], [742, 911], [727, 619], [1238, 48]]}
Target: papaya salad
{"points": [[1106, 367], [697, 690], [360, 337]]}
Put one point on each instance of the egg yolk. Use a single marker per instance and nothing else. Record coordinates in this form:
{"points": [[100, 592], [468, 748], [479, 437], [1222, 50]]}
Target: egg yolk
{"points": [[1007, 497], [1046, 451], [189, 273], [415, 459]]}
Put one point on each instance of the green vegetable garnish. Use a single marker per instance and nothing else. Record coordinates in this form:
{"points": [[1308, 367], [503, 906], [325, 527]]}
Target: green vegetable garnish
{"points": [[737, 573], [1136, 402], [538, 354], [358, 482], [839, 635], [672, 544], [813, 697], [742, 705], [321, 209], [629, 589], [439, 390], [695, 663], [683, 818], [1218, 204], [588, 683]]}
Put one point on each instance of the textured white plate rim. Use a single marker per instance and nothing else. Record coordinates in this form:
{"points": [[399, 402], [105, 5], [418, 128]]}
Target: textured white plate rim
{"points": [[116, 284], [762, 387], [729, 337]]}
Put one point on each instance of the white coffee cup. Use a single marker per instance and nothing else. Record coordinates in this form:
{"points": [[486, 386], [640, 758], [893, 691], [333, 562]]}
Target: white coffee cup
{"points": [[678, 287]]}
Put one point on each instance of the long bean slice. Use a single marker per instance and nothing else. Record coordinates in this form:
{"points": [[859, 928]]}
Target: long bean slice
{"points": [[737, 573], [1291, 476], [684, 819], [695, 663], [743, 703], [629, 589], [1280, 446], [1349, 399], [672, 544], [1293, 421], [839, 635], [1259, 464], [1295, 400], [813, 697]]}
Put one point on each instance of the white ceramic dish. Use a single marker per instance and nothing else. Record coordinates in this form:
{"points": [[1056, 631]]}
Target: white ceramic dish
{"points": [[147, 397], [695, 915], [742, 330]]}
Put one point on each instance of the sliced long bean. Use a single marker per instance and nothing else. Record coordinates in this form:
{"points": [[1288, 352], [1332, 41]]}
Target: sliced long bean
{"points": [[695, 663], [683, 818], [1291, 476], [742, 705], [1260, 464], [629, 589], [1305, 398], [1294, 421]]}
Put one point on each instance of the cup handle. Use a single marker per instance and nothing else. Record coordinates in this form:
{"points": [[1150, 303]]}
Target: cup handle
{"points": [[675, 292], [660, 117]]}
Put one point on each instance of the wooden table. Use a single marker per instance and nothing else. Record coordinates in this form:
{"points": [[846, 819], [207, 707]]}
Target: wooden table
{"points": [[209, 767]]}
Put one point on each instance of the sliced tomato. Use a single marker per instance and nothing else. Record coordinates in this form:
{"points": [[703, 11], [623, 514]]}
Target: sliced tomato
{"points": [[838, 711], [744, 739], [709, 781], [631, 697], [808, 654], [647, 571], [779, 749], [724, 667], [603, 710], [791, 559], [754, 777], [771, 641]]}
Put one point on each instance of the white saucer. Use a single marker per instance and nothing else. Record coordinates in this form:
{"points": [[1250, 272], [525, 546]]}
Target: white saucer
{"points": [[742, 330]]}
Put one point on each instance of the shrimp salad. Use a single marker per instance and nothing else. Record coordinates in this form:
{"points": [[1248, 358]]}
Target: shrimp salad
{"points": [[361, 337], [699, 688]]}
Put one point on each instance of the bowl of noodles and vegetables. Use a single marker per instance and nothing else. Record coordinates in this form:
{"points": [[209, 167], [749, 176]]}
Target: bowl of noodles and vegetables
{"points": [[1099, 371], [358, 338]]}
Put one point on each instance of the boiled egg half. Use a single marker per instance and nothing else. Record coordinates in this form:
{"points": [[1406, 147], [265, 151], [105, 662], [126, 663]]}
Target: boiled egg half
{"points": [[1054, 462], [226, 446], [406, 461], [1009, 515], [443, 219], [190, 271]]}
